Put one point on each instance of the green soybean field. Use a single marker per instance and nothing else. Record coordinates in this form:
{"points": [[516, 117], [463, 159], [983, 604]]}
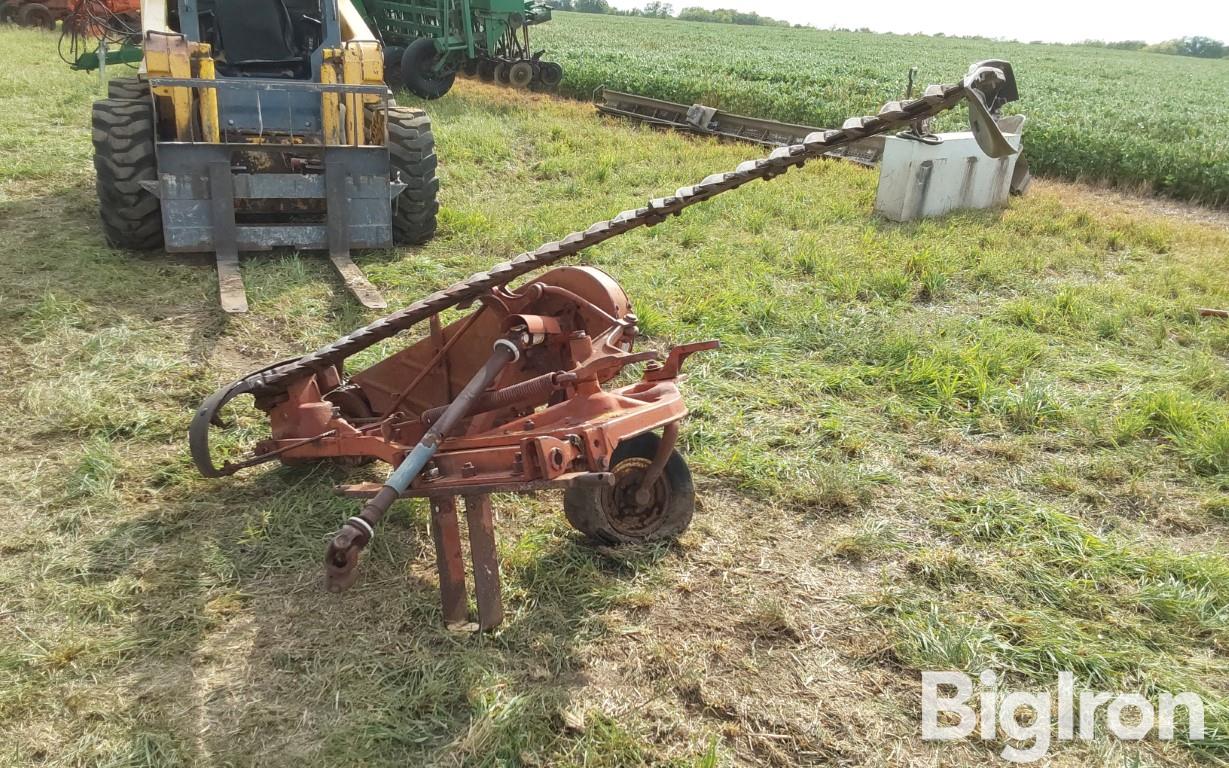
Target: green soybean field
{"points": [[1140, 120]]}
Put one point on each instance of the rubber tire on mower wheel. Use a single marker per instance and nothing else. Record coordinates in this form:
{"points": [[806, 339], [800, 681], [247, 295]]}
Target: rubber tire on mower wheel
{"points": [[411, 146], [470, 68], [8, 12], [486, 70], [131, 88], [123, 158], [416, 75], [595, 511], [392, 67], [36, 15]]}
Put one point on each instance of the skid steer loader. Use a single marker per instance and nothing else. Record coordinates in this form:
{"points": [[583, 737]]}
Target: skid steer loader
{"points": [[262, 124]]}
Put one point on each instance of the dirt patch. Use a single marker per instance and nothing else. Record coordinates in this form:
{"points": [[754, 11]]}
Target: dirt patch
{"points": [[1137, 203]]}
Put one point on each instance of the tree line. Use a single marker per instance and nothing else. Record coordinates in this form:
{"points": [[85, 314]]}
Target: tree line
{"points": [[1196, 46], [662, 10]]}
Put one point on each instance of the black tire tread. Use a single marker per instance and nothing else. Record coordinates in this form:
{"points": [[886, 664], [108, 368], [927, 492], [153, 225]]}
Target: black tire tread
{"points": [[123, 136], [411, 146], [8, 12], [392, 66], [36, 16], [582, 505], [132, 88], [413, 77]]}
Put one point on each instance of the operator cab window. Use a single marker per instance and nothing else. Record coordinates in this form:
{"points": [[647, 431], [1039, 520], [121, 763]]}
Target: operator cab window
{"points": [[262, 38]]}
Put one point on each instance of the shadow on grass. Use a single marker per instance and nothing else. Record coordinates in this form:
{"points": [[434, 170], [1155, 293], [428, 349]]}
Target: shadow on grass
{"points": [[53, 243], [240, 657]]}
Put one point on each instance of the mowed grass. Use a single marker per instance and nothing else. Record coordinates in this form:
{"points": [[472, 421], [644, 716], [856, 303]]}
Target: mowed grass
{"points": [[995, 440], [1124, 117]]}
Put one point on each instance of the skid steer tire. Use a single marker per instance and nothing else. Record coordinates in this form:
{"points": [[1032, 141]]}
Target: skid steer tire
{"points": [[123, 158], [411, 146], [609, 515], [132, 88]]}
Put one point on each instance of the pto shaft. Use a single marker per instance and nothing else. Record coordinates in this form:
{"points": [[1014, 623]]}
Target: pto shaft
{"points": [[343, 554]]}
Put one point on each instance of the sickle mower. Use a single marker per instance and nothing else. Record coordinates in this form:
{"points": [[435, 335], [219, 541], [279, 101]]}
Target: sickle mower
{"points": [[521, 394], [516, 397]]}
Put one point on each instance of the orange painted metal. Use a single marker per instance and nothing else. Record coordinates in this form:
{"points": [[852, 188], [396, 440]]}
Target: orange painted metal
{"points": [[549, 417]]}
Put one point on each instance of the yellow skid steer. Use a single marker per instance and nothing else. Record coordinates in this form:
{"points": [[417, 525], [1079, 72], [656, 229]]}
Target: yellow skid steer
{"points": [[262, 124]]}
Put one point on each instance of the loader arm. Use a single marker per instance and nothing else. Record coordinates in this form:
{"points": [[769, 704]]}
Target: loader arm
{"points": [[353, 26]]}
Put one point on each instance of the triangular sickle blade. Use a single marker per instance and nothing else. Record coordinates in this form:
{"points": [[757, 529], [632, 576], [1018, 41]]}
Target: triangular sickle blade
{"points": [[985, 130], [980, 81]]}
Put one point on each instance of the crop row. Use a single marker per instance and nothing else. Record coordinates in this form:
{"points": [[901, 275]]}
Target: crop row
{"points": [[1130, 118]]}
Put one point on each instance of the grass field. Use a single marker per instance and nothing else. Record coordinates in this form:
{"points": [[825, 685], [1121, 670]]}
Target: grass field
{"points": [[996, 440], [1131, 118]]}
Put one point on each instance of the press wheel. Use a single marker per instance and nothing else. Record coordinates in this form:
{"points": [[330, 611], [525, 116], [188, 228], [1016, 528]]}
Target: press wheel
{"points": [[521, 74]]}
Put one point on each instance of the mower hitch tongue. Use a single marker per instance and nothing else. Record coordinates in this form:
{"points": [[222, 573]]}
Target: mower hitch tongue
{"points": [[520, 395]]}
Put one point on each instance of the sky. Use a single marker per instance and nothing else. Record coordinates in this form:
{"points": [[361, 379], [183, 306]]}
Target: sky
{"points": [[1056, 21]]}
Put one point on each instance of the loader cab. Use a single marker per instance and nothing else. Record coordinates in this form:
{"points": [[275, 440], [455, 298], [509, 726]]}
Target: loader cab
{"points": [[276, 39], [267, 40]]}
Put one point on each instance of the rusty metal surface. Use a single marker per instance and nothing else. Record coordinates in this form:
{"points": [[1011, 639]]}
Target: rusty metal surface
{"points": [[637, 503], [708, 121], [669, 438], [548, 415], [535, 414], [980, 85], [448, 561], [368, 490], [485, 561]]}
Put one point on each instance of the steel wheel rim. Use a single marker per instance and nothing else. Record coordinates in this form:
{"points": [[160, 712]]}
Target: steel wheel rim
{"points": [[552, 74], [619, 502], [521, 74]]}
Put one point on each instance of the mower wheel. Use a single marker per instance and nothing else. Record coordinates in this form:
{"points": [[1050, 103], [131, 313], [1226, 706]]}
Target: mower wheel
{"points": [[411, 146], [486, 70], [501, 72], [470, 67], [132, 88], [392, 66], [418, 70], [610, 514], [123, 158], [36, 15], [9, 11]]}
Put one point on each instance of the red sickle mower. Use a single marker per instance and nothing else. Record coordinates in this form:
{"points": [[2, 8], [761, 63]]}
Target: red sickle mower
{"points": [[518, 395], [515, 397]]}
